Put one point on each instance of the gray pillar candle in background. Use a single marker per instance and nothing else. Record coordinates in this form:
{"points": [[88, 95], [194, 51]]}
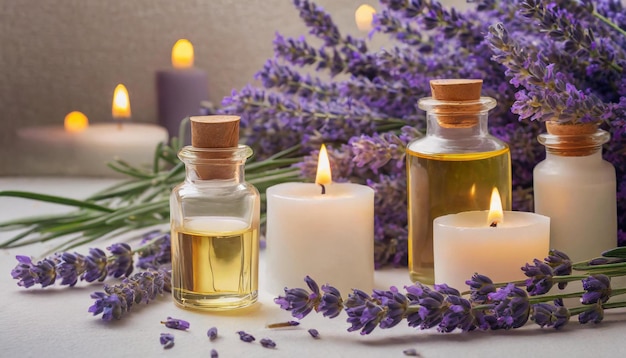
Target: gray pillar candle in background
{"points": [[181, 89]]}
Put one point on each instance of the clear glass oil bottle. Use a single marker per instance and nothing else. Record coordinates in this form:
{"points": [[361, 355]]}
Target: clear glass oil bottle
{"points": [[453, 168], [215, 231]]}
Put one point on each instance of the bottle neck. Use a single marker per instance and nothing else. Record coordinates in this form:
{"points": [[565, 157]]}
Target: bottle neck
{"points": [[453, 126], [225, 165], [457, 119], [574, 145]]}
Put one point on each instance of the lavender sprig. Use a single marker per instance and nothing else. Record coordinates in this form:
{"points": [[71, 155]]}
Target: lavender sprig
{"points": [[117, 300], [487, 306], [96, 266]]}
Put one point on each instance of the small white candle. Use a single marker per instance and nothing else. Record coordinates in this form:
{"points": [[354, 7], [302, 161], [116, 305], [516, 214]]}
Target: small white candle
{"points": [[329, 237], [467, 243]]}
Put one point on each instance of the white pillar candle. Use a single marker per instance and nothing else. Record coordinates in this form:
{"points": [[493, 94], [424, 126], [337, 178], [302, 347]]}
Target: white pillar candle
{"points": [[54, 151], [329, 237], [465, 244]]}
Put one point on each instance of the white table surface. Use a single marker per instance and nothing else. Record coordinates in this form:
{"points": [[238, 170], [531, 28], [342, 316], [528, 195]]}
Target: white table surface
{"points": [[54, 322]]}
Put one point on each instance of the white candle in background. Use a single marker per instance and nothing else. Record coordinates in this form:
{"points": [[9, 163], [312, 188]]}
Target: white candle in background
{"points": [[489, 243], [81, 149], [329, 236]]}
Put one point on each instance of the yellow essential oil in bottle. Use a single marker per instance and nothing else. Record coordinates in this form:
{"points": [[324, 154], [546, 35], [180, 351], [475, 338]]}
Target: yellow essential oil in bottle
{"points": [[215, 257], [214, 217], [453, 168]]}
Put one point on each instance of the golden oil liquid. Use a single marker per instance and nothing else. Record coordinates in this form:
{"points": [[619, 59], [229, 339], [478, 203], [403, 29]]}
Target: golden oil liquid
{"points": [[445, 184], [215, 263]]}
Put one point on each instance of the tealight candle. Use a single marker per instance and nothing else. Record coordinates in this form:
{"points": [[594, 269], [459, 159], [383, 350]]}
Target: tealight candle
{"points": [[324, 230], [492, 243], [180, 89]]}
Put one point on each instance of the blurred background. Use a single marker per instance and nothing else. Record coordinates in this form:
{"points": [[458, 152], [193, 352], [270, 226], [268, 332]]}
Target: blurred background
{"points": [[58, 56]]}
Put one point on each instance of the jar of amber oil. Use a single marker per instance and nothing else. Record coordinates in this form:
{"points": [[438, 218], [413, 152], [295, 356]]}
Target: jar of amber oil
{"points": [[214, 217], [453, 168]]}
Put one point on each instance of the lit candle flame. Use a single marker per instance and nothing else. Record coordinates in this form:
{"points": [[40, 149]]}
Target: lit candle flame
{"points": [[121, 102], [364, 15], [182, 54], [323, 176], [496, 215], [75, 122]]}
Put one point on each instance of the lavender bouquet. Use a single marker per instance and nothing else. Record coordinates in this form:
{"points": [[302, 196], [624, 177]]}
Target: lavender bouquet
{"points": [[559, 60]]}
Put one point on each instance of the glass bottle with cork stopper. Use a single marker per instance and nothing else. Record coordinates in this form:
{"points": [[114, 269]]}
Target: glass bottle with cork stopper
{"points": [[576, 188], [214, 218], [453, 168]]}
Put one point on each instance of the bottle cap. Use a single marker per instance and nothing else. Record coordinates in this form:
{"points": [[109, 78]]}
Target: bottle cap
{"points": [[453, 112], [215, 132], [456, 89]]}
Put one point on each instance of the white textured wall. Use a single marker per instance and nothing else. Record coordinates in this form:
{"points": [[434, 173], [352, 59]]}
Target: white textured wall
{"points": [[62, 55]]}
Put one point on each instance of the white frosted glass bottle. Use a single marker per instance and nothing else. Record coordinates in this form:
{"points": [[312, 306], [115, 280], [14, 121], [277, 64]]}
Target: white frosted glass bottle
{"points": [[576, 188]]}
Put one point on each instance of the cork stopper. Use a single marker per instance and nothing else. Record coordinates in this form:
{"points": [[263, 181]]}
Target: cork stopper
{"points": [[456, 91], [573, 139], [215, 132]]}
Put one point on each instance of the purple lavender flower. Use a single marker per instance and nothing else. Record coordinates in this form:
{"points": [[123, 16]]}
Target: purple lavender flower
{"points": [[394, 304], [431, 306], [25, 272], [548, 315], [314, 333], [109, 305], [212, 333], [214, 353], [539, 277], [121, 263], [156, 250], [246, 337], [70, 266], [299, 301], [267, 343], [458, 315], [43, 273], [117, 300], [594, 314], [560, 263], [331, 303], [95, 266], [480, 288], [511, 307], [363, 312], [167, 340], [176, 323], [598, 289]]}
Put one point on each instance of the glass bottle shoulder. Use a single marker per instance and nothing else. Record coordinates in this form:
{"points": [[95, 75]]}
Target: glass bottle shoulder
{"points": [[470, 147]]}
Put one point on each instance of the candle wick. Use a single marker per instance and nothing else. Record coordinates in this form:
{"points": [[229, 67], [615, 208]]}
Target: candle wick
{"points": [[323, 189], [494, 224]]}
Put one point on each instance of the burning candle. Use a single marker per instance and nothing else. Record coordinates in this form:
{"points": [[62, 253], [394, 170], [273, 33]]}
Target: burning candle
{"points": [[83, 149], [180, 89], [324, 230], [363, 16], [494, 243]]}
